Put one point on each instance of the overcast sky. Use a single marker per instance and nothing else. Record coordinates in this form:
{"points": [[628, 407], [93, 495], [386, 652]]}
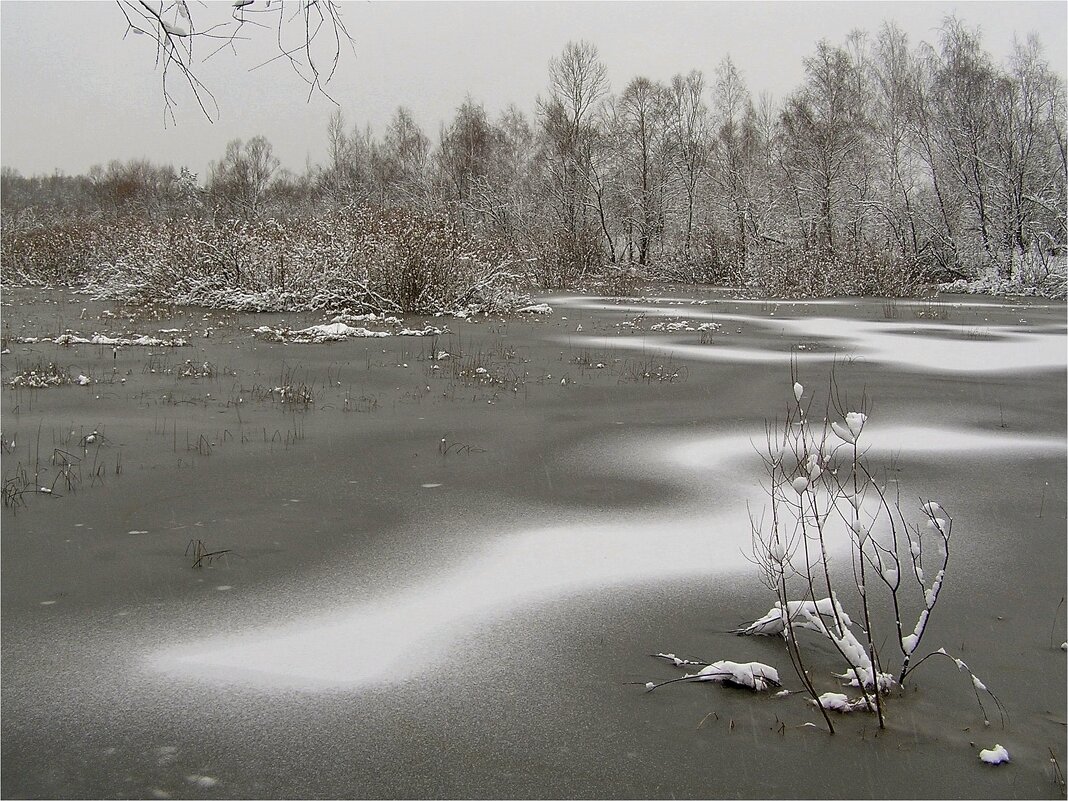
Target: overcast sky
{"points": [[75, 93]]}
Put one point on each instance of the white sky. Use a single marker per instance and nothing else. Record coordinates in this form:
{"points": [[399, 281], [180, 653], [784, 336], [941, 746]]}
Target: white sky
{"points": [[73, 93]]}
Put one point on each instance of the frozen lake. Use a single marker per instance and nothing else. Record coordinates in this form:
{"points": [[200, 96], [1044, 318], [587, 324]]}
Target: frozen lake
{"points": [[392, 620]]}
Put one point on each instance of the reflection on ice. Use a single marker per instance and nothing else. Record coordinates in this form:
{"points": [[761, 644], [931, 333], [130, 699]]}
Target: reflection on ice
{"points": [[923, 347], [588, 302], [881, 441], [394, 638], [920, 440], [408, 632]]}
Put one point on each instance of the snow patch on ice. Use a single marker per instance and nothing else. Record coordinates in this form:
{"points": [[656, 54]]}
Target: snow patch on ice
{"points": [[141, 341], [994, 756], [397, 634], [924, 348], [335, 332], [840, 702]]}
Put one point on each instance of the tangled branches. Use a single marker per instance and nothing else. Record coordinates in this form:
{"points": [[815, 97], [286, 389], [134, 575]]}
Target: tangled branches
{"points": [[310, 38]]}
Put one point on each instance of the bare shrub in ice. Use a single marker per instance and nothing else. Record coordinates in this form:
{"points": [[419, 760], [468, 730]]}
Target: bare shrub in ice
{"points": [[822, 493]]}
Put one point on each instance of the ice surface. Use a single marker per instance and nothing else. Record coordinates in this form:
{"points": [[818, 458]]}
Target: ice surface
{"points": [[401, 632], [395, 636], [405, 631]]}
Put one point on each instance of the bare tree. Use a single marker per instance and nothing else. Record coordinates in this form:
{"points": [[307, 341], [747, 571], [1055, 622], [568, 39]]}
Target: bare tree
{"points": [[578, 80], [577, 83], [822, 124], [466, 157], [516, 179], [239, 182], [401, 160], [735, 150], [964, 109], [641, 120], [940, 222], [688, 141], [346, 177], [1030, 156], [893, 79]]}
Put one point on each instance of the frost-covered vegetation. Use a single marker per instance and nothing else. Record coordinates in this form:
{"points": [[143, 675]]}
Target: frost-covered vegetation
{"points": [[893, 167], [391, 261], [825, 499], [823, 490]]}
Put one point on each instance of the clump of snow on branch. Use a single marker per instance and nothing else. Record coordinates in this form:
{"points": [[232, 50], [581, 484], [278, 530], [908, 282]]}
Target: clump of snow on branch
{"points": [[754, 676], [774, 622], [840, 702]]}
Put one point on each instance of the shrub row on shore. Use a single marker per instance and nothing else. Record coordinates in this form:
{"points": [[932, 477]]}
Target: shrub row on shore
{"points": [[405, 261]]}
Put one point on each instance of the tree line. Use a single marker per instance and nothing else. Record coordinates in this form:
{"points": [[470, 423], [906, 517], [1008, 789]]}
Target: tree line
{"points": [[890, 164]]}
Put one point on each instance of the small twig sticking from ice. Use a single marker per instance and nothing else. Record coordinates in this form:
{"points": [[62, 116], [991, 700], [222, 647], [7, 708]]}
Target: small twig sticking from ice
{"points": [[678, 661], [1056, 613]]}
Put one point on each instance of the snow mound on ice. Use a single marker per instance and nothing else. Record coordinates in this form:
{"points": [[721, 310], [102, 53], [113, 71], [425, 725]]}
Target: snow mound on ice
{"points": [[337, 331], [995, 755]]}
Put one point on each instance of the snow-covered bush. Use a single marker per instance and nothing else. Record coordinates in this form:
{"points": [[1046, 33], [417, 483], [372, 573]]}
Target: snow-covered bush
{"points": [[1034, 276]]}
